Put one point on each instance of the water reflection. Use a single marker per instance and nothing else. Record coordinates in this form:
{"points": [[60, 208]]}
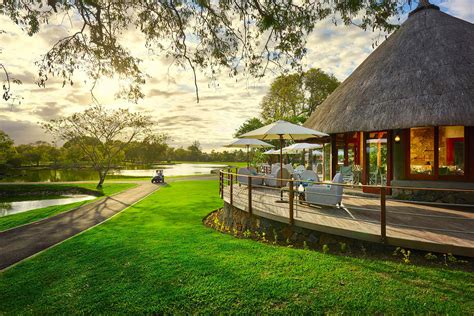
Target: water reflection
{"points": [[9, 208], [170, 170], [56, 175]]}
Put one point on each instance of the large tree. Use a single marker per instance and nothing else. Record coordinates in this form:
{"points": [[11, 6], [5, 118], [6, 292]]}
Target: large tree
{"points": [[101, 134], [6, 147], [294, 97], [240, 36], [249, 125]]}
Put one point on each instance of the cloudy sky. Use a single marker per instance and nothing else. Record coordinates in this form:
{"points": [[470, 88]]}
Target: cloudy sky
{"points": [[170, 95]]}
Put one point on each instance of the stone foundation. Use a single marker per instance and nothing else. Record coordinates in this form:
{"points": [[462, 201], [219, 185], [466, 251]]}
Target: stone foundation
{"points": [[242, 224]]}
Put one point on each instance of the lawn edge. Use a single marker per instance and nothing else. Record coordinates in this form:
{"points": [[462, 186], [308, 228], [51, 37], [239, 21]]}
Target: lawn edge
{"points": [[73, 209], [79, 233]]}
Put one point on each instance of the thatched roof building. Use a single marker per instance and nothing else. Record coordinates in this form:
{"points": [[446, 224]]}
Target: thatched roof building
{"points": [[422, 75]]}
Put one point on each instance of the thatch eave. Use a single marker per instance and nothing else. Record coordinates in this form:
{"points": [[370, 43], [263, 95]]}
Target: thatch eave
{"points": [[422, 75]]}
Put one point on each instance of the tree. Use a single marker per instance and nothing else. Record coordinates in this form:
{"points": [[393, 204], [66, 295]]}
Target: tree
{"points": [[317, 86], [285, 100], [294, 97], [101, 134], [199, 34], [152, 149], [6, 147], [195, 151], [35, 153], [249, 125]]}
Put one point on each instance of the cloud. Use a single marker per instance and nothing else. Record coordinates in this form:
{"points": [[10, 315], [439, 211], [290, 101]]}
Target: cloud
{"points": [[170, 96], [50, 110], [463, 9], [162, 93], [24, 132]]}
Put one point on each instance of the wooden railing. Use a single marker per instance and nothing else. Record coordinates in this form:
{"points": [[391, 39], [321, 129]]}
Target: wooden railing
{"points": [[229, 181]]}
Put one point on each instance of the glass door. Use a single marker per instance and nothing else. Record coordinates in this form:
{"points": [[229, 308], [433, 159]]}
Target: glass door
{"points": [[377, 158]]}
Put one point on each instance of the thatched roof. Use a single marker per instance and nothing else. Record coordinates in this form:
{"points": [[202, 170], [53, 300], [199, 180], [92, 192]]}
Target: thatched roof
{"points": [[422, 75]]}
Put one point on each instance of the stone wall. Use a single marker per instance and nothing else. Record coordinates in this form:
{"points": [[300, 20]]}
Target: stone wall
{"points": [[238, 222]]}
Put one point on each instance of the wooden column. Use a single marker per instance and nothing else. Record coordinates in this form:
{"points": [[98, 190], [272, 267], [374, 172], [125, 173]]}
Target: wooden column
{"points": [[469, 141], [290, 201], [383, 215], [333, 155]]}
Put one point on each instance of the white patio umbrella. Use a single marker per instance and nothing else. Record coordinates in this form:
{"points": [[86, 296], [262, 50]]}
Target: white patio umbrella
{"points": [[299, 147], [248, 143], [283, 130], [271, 152]]}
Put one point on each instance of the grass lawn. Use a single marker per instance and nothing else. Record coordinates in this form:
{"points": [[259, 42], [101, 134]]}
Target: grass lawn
{"points": [[157, 257], [15, 220]]}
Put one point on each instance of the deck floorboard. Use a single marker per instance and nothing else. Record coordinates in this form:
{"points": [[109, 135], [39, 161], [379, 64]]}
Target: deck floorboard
{"points": [[441, 225]]}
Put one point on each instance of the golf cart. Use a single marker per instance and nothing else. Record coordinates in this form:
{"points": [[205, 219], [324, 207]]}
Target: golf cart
{"points": [[159, 177]]}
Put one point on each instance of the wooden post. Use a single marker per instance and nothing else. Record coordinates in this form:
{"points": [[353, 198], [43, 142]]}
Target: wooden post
{"points": [[250, 193], [383, 215], [290, 201], [221, 184], [231, 189]]}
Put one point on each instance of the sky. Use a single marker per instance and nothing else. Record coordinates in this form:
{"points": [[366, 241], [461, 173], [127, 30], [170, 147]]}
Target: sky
{"points": [[169, 92]]}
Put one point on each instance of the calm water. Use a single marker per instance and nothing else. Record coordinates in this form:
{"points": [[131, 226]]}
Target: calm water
{"points": [[182, 169], [9, 208], [48, 175]]}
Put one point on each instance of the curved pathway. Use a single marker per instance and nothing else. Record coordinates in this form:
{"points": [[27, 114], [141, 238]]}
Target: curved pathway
{"points": [[25, 241], [22, 242]]}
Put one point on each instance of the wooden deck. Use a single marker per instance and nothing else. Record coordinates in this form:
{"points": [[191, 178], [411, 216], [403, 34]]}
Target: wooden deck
{"points": [[426, 227]]}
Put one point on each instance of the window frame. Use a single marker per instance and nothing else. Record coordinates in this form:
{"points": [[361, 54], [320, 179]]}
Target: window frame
{"points": [[436, 175]]}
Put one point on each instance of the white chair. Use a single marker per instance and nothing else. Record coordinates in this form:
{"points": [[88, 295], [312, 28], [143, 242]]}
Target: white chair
{"points": [[347, 174], [248, 172], [274, 167], [325, 194], [271, 179], [300, 169], [289, 167], [309, 175]]}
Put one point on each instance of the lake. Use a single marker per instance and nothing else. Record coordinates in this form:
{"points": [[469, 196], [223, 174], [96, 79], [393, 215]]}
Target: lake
{"points": [[51, 175], [9, 208]]}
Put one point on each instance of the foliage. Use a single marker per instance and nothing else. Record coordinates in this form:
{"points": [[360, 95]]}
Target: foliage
{"points": [[153, 148], [156, 257], [102, 135], [249, 125], [238, 36], [7, 150], [294, 97], [37, 152], [404, 253]]}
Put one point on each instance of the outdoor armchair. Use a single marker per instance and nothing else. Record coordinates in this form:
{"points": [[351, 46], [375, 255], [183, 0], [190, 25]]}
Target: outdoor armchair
{"points": [[347, 174], [325, 194], [272, 179], [307, 176], [243, 172], [300, 169], [289, 167]]}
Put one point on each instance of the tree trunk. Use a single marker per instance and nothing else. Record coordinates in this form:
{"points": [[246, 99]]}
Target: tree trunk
{"points": [[102, 175]]}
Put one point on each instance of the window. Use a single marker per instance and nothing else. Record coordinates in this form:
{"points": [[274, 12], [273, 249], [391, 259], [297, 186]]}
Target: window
{"points": [[422, 153], [451, 151], [438, 152]]}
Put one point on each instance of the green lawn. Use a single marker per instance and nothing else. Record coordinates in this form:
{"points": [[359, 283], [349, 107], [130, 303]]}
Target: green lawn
{"points": [[157, 257], [15, 220]]}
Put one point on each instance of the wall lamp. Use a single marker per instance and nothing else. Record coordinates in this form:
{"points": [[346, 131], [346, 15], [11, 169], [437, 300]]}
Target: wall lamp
{"points": [[397, 138]]}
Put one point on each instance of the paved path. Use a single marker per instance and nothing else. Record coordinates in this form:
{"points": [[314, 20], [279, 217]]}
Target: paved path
{"points": [[22, 242]]}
